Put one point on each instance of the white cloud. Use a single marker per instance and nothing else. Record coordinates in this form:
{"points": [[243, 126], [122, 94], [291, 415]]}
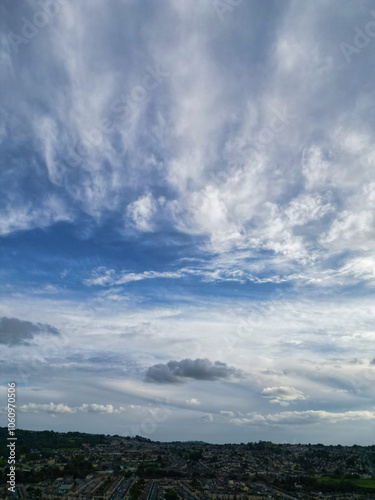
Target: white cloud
{"points": [[351, 228], [359, 268], [282, 395], [25, 216], [315, 169], [305, 208], [128, 277], [193, 401], [95, 408], [63, 408], [101, 277], [227, 413], [142, 211], [304, 417], [49, 408], [107, 277], [206, 418], [193, 138]]}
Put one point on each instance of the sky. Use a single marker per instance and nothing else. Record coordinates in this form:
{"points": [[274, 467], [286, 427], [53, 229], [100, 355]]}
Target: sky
{"points": [[187, 227]]}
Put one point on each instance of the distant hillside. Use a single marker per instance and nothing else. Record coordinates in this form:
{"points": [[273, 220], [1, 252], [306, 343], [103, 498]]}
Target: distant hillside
{"points": [[47, 440]]}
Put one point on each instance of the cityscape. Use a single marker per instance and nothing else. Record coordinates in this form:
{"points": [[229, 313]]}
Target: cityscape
{"points": [[55, 465]]}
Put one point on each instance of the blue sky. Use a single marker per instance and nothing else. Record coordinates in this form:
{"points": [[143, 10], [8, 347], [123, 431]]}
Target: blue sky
{"points": [[187, 200]]}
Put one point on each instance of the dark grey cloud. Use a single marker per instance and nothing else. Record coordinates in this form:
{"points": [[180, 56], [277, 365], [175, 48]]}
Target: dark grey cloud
{"points": [[199, 369], [372, 362], [15, 331]]}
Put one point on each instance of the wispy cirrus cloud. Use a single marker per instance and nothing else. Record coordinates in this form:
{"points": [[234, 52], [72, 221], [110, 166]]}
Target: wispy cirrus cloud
{"points": [[177, 182], [355, 270], [226, 214]]}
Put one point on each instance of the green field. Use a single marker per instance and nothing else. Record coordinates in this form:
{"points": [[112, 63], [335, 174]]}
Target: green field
{"points": [[356, 483], [365, 483]]}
